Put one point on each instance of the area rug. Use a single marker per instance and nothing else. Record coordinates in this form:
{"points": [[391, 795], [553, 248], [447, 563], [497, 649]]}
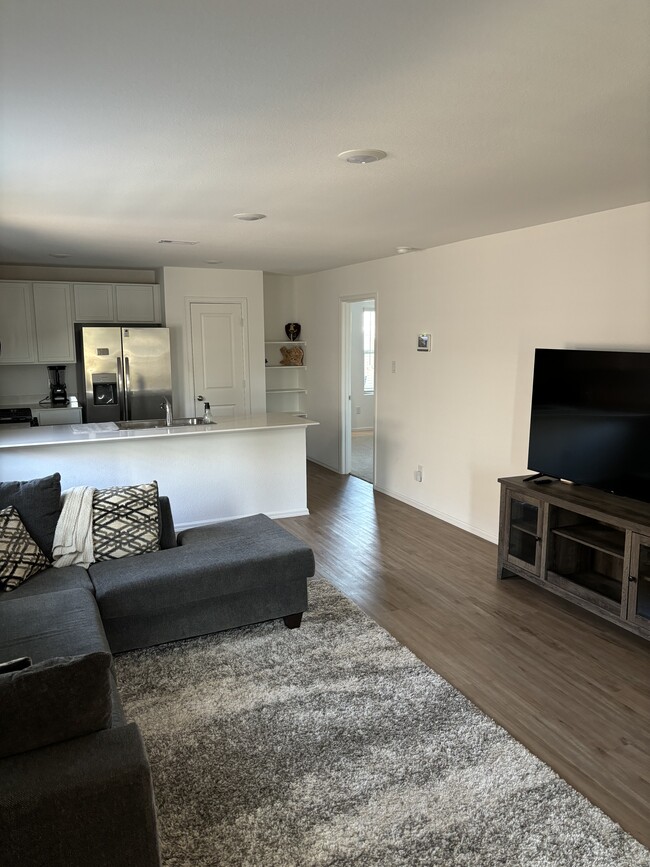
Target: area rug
{"points": [[334, 745]]}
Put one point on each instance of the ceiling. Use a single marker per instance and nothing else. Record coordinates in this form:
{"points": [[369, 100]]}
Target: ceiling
{"points": [[131, 121]]}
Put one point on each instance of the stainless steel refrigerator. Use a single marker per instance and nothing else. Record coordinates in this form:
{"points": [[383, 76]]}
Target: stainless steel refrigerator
{"points": [[123, 373]]}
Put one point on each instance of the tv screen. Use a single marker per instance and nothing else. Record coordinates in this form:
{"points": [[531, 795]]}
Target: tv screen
{"points": [[590, 419]]}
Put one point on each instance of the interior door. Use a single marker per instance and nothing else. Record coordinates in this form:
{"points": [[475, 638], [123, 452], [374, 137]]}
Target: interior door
{"points": [[218, 358]]}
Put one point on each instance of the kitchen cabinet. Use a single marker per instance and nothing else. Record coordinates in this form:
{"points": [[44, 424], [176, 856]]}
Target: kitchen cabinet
{"points": [[53, 323], [127, 303], [588, 546], [36, 323], [17, 329], [286, 387]]}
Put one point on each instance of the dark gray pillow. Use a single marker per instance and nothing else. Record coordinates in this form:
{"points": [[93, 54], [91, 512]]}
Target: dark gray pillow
{"points": [[38, 502], [64, 697]]}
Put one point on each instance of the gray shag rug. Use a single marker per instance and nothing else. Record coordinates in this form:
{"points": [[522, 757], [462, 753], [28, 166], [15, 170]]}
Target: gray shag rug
{"points": [[334, 745]]}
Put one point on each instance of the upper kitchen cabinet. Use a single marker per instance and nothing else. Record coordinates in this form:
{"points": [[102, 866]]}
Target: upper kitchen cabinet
{"points": [[127, 303], [17, 330], [36, 323], [53, 321]]}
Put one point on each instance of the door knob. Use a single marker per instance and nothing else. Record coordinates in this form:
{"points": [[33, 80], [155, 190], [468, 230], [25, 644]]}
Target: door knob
{"points": [[199, 397]]}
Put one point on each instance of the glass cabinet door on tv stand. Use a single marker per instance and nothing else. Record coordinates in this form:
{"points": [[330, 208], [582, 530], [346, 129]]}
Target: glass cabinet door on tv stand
{"points": [[523, 532], [639, 592]]}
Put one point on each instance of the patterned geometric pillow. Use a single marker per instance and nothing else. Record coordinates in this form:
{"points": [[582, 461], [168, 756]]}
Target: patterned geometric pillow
{"points": [[126, 521], [20, 556]]}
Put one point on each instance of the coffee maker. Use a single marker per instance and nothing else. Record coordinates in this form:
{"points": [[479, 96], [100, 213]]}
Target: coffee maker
{"points": [[58, 393]]}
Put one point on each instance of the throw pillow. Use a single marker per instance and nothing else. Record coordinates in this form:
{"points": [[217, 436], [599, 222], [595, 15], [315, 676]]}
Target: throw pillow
{"points": [[55, 700], [39, 505], [126, 521], [20, 556]]}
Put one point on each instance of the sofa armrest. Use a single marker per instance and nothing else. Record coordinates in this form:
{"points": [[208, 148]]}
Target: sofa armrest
{"points": [[85, 801]]}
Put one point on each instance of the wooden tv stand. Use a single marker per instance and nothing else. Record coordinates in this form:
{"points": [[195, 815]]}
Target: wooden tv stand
{"points": [[587, 546]]}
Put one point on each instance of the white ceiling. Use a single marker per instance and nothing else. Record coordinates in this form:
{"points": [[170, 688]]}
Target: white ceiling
{"points": [[124, 122]]}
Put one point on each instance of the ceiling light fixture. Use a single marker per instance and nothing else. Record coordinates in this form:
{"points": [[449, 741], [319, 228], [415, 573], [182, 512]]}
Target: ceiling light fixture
{"points": [[214, 261], [60, 255], [406, 249], [182, 243], [359, 157], [249, 218]]}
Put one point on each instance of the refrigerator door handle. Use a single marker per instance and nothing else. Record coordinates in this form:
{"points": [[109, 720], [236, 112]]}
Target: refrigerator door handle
{"points": [[121, 390], [127, 388]]}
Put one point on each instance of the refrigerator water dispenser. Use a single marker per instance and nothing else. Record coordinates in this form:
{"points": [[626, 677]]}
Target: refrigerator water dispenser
{"points": [[104, 389]]}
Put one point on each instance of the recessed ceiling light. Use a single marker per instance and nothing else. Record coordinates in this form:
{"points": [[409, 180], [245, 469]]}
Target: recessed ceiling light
{"points": [[249, 218], [368, 155], [60, 255], [182, 243], [214, 261], [406, 249]]}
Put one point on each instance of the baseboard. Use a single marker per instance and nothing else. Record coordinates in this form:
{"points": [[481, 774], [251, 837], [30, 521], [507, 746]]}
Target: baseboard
{"points": [[325, 466], [274, 515], [443, 516]]}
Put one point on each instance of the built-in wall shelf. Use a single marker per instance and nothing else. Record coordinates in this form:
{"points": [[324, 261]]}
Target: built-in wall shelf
{"points": [[286, 388]]}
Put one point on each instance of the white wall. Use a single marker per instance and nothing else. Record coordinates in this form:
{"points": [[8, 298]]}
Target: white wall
{"points": [[207, 284], [462, 410]]}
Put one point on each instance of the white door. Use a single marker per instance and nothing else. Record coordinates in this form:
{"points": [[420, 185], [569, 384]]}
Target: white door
{"points": [[218, 358]]}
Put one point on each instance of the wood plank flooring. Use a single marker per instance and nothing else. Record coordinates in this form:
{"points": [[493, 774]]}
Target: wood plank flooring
{"points": [[571, 687]]}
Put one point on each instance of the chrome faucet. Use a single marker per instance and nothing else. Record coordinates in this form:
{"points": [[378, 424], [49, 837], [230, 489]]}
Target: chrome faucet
{"points": [[166, 405]]}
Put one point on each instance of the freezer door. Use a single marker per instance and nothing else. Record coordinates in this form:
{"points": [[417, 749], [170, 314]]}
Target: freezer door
{"points": [[147, 371], [100, 350]]}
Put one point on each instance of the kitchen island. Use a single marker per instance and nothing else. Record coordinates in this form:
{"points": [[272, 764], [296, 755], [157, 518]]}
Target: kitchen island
{"points": [[236, 467]]}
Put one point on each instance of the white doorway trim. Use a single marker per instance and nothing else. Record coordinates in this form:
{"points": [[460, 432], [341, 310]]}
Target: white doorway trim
{"points": [[345, 384]]}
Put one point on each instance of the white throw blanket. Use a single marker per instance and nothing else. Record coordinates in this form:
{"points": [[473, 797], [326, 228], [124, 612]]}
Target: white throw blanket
{"points": [[73, 537]]}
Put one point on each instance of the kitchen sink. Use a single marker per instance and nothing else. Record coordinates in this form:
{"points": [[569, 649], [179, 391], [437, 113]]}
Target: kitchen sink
{"points": [[148, 424], [185, 422]]}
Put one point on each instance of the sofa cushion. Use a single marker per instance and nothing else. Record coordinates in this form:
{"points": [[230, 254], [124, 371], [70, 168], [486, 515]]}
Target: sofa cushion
{"points": [[20, 556], [38, 503], [126, 521], [53, 701], [51, 624], [51, 580]]}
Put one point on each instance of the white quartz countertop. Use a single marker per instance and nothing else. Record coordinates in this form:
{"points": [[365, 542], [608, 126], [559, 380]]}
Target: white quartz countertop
{"points": [[49, 435]]}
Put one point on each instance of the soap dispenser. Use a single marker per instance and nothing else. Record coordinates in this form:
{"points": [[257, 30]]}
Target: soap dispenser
{"points": [[207, 414]]}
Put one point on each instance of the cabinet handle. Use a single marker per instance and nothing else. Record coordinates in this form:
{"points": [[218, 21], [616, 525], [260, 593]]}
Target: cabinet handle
{"points": [[632, 579]]}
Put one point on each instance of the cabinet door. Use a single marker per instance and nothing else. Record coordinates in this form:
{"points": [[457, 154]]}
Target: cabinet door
{"points": [[522, 531], [93, 302], [53, 319], [17, 337], [638, 598], [137, 303]]}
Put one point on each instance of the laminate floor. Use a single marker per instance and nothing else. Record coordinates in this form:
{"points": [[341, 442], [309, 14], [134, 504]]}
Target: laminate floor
{"points": [[573, 688]]}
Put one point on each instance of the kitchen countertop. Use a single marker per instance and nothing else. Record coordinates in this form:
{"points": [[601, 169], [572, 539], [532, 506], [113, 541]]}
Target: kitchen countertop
{"points": [[61, 434]]}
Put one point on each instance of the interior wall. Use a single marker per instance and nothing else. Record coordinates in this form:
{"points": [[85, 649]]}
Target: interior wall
{"points": [[461, 410], [279, 305], [181, 284]]}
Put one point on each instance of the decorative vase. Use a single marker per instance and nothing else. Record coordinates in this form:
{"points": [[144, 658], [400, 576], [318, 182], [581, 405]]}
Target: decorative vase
{"points": [[292, 330]]}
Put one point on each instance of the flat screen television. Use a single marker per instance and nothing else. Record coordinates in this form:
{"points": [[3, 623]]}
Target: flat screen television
{"points": [[590, 419]]}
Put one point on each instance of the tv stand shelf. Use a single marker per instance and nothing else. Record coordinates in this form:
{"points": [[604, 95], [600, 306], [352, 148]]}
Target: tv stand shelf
{"points": [[585, 545]]}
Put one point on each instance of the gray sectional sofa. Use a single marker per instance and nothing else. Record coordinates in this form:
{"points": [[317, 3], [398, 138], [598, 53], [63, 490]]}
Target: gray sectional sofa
{"points": [[75, 782]]}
